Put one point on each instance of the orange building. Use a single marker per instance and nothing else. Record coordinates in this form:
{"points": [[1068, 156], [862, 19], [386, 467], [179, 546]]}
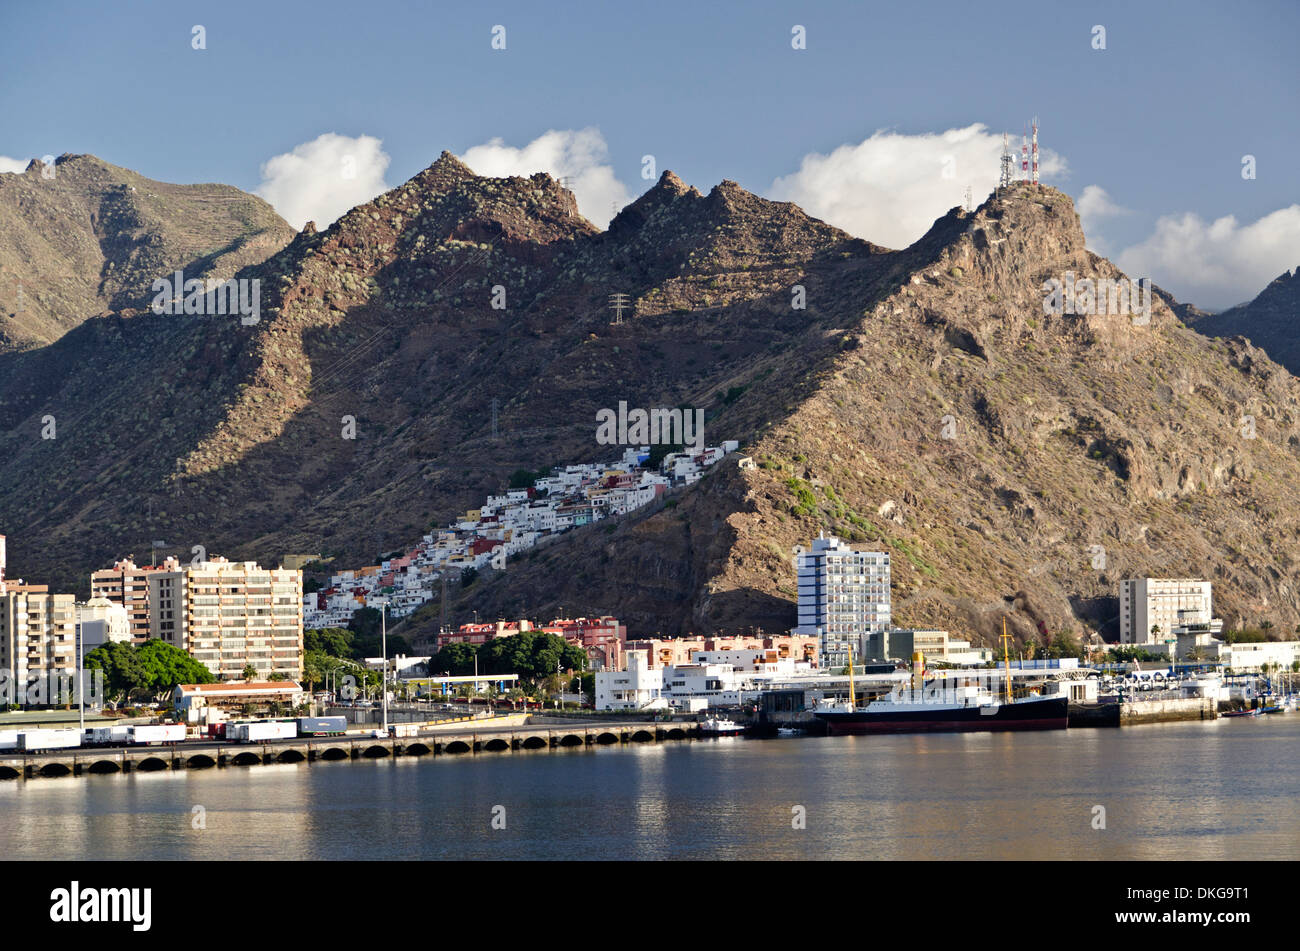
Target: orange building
{"points": [[676, 651]]}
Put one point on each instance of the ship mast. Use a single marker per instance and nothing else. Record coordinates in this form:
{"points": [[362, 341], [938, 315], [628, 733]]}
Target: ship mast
{"points": [[1006, 658]]}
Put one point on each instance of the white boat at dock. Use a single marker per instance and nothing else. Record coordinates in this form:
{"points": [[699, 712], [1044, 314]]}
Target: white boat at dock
{"points": [[720, 726]]}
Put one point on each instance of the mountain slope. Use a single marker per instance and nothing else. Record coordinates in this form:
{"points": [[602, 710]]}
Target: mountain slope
{"points": [[1086, 449], [1068, 432], [83, 236], [1271, 320]]}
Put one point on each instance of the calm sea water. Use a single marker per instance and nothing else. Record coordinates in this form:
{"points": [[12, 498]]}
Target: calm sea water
{"points": [[1224, 789]]}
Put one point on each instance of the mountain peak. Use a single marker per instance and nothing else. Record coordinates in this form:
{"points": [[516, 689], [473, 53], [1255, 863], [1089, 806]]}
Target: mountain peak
{"points": [[446, 172], [669, 182]]}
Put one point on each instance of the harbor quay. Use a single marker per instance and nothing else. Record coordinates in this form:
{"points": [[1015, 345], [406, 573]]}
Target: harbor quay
{"points": [[498, 735]]}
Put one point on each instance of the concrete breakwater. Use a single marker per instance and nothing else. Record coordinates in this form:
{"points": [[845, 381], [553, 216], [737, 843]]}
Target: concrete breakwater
{"points": [[1136, 712], [1081, 715], [467, 737]]}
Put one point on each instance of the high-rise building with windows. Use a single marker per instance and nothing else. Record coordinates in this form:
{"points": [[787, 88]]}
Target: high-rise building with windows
{"points": [[1162, 604], [37, 636], [37, 633], [843, 597], [127, 584], [229, 615]]}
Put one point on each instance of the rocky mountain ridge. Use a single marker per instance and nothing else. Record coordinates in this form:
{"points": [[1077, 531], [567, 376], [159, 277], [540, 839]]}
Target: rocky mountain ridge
{"points": [[82, 237], [1270, 321], [920, 400]]}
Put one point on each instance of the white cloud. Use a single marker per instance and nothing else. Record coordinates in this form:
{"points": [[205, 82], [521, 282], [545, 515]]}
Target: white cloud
{"points": [[890, 188], [580, 155], [1094, 202], [8, 164], [323, 179], [1093, 205], [1219, 264]]}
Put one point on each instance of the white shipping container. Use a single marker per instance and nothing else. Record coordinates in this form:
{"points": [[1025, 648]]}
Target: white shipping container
{"points": [[255, 732], [403, 729], [163, 733], [33, 740]]}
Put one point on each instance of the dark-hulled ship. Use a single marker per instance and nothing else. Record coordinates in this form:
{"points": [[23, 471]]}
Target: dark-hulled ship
{"points": [[936, 710]]}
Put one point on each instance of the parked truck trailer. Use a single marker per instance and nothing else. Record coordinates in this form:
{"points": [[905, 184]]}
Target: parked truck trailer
{"points": [[157, 733], [256, 732], [32, 741], [322, 726]]}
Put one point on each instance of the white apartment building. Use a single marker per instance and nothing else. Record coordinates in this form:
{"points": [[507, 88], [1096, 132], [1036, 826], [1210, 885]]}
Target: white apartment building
{"points": [[228, 615], [843, 597], [639, 687], [101, 621], [1166, 603], [1252, 656]]}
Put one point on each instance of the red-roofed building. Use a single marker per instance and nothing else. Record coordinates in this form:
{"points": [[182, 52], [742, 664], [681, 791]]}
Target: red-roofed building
{"points": [[603, 639]]}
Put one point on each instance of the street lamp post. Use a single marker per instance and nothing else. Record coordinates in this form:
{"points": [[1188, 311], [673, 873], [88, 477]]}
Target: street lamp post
{"points": [[81, 679], [383, 641]]}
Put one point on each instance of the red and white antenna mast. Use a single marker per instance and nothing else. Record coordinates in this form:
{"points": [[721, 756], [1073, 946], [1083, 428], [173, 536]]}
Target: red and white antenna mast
{"points": [[1024, 159], [1034, 179]]}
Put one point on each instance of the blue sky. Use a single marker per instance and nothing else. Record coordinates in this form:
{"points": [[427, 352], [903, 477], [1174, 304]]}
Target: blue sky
{"points": [[1158, 121]]}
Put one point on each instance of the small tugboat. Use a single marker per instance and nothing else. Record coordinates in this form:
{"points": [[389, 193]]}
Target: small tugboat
{"points": [[720, 726]]}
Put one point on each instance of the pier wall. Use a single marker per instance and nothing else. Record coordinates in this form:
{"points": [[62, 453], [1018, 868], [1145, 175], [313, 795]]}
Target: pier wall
{"points": [[1161, 711], [1137, 712]]}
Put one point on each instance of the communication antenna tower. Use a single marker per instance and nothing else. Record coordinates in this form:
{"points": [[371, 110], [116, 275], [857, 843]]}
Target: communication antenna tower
{"points": [[1034, 179], [1008, 173], [1024, 159], [970, 201]]}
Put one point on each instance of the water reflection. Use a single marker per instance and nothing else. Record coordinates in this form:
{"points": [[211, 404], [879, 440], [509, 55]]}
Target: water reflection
{"points": [[1197, 790]]}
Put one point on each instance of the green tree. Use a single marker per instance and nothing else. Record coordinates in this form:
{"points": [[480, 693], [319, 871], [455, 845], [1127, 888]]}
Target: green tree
{"points": [[153, 669], [369, 645], [456, 660], [365, 621], [166, 666], [122, 670], [336, 641], [250, 672]]}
